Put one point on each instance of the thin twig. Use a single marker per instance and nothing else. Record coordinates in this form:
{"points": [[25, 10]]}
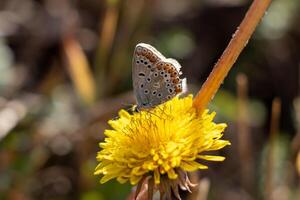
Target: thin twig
{"points": [[231, 53], [243, 133]]}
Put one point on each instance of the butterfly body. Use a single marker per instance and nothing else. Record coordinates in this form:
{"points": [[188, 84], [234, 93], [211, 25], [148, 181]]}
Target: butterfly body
{"points": [[155, 78]]}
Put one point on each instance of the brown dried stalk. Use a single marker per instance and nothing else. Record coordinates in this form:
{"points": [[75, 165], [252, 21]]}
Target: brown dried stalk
{"points": [[231, 53], [274, 128], [244, 134]]}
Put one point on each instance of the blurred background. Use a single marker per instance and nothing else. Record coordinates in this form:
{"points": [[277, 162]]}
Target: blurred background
{"points": [[65, 69]]}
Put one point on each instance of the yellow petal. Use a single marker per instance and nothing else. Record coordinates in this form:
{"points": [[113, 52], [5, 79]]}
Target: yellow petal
{"points": [[192, 166], [135, 179], [211, 158], [122, 180], [106, 178], [172, 174], [124, 113], [156, 176], [218, 144]]}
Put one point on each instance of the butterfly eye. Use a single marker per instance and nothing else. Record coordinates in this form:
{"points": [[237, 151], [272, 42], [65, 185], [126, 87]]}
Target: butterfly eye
{"points": [[145, 62], [146, 91], [155, 74], [142, 85], [149, 80], [154, 92], [149, 66], [137, 62], [162, 73], [171, 90], [166, 75], [168, 85], [168, 97], [159, 95]]}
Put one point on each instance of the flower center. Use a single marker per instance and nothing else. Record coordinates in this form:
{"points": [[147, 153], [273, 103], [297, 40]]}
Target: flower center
{"points": [[164, 158]]}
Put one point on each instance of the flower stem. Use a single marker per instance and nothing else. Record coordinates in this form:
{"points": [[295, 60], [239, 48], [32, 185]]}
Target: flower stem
{"points": [[231, 53]]}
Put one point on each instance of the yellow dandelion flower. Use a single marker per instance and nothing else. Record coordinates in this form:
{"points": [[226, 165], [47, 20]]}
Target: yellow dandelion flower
{"points": [[164, 142]]}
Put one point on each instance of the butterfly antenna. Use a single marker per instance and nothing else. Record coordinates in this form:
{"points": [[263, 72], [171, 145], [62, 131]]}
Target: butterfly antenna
{"points": [[163, 111], [152, 113]]}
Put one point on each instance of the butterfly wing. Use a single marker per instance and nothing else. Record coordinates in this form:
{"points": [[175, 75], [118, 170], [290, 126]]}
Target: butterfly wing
{"points": [[144, 60], [155, 78]]}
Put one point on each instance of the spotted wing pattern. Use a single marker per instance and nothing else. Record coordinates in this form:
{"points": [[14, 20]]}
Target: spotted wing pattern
{"points": [[156, 79]]}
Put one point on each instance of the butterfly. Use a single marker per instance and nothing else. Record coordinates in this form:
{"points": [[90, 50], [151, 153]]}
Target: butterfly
{"points": [[156, 79]]}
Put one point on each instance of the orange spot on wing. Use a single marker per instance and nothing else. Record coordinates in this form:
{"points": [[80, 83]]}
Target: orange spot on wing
{"points": [[175, 80], [144, 51], [159, 66], [177, 89], [153, 58], [171, 70], [167, 67]]}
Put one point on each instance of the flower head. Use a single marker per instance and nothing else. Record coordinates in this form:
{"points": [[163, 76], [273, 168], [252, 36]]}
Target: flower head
{"points": [[163, 143]]}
